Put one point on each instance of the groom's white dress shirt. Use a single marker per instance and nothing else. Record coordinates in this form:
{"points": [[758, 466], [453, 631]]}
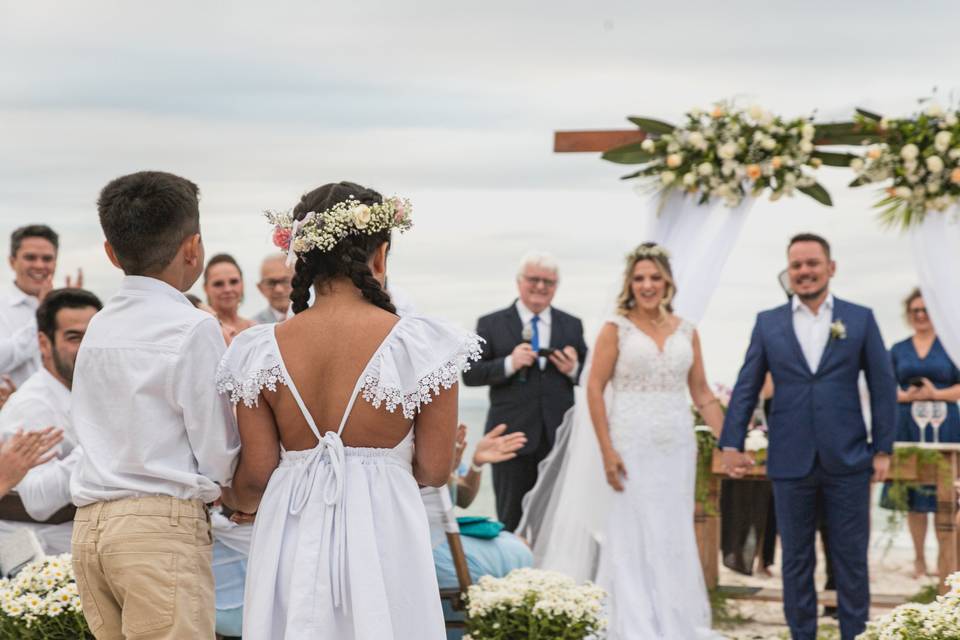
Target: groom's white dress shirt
{"points": [[43, 401], [18, 331], [812, 329], [145, 406]]}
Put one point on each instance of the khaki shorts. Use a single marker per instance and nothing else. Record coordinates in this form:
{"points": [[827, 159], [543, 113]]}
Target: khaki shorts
{"points": [[143, 568]]}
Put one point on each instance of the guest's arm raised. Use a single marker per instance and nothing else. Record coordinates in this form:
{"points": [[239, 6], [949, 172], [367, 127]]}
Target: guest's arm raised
{"points": [[604, 361], [24, 451], [706, 403], [259, 456], [435, 430]]}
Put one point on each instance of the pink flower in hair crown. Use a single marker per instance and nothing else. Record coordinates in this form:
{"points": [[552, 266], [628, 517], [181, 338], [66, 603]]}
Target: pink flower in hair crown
{"points": [[281, 238]]}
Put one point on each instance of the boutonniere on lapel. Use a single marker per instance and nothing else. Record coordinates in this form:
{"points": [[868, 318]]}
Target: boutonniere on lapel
{"points": [[838, 330]]}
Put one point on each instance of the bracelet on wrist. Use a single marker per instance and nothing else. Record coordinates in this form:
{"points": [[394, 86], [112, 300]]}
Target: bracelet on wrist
{"points": [[476, 468]]}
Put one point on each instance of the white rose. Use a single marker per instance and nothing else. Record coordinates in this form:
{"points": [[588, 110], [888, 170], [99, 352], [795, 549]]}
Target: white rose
{"points": [[933, 187], [806, 146], [674, 160], [361, 216], [807, 131], [935, 164], [756, 441], [756, 112], [696, 112], [954, 153], [934, 110], [689, 179], [728, 150], [951, 119], [902, 192], [769, 144], [942, 141], [856, 164], [909, 152], [667, 177], [673, 147], [696, 139], [705, 169], [648, 145]]}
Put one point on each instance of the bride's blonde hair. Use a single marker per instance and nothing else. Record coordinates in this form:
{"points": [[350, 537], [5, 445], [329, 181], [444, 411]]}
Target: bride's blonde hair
{"points": [[661, 259]]}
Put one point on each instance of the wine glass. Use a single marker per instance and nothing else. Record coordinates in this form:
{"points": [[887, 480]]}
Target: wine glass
{"points": [[938, 415], [920, 411]]}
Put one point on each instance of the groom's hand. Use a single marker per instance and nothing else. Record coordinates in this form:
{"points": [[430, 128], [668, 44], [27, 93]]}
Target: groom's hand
{"points": [[881, 467], [736, 463]]}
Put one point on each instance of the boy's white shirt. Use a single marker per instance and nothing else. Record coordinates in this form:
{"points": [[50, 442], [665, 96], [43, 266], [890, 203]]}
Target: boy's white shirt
{"points": [[145, 406]]}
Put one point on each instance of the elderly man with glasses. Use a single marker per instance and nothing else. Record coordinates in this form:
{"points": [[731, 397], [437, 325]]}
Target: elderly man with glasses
{"points": [[531, 361], [274, 285]]}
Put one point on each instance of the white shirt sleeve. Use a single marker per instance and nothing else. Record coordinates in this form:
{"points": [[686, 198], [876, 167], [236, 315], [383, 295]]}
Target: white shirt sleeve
{"points": [[508, 369], [19, 347], [209, 419], [46, 489]]}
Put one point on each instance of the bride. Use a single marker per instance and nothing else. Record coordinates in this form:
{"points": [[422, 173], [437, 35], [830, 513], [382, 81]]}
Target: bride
{"points": [[649, 563]]}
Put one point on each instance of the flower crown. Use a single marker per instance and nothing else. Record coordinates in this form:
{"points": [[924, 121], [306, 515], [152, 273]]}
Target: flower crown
{"points": [[645, 251], [324, 229]]}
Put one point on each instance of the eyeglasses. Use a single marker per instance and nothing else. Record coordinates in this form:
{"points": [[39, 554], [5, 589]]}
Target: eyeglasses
{"points": [[273, 283], [547, 282], [918, 310]]}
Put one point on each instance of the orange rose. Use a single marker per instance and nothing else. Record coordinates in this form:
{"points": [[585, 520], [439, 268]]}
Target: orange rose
{"points": [[717, 112], [776, 162], [955, 176], [891, 191], [754, 171]]}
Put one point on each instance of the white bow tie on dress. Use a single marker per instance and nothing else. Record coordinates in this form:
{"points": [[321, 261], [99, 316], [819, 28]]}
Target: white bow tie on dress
{"points": [[333, 513]]}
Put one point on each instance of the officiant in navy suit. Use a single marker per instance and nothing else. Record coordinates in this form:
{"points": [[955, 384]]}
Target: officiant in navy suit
{"points": [[531, 361], [821, 455]]}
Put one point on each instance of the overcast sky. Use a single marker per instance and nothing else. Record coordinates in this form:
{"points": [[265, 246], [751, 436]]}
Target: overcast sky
{"points": [[453, 105]]}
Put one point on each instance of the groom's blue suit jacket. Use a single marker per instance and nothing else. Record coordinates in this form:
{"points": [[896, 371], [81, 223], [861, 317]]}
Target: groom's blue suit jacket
{"points": [[816, 415]]}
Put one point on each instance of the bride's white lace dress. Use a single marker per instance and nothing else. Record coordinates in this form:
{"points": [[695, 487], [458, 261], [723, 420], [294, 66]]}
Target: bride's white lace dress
{"points": [[649, 561]]}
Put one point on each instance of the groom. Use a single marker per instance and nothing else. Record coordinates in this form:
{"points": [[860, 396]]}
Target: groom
{"points": [[819, 453]]}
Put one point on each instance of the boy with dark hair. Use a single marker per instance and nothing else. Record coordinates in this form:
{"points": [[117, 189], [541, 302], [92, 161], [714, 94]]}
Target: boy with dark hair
{"points": [[157, 438], [44, 401]]}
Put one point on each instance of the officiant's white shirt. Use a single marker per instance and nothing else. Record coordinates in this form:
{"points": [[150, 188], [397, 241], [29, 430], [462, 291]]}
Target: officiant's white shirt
{"points": [[145, 406], [40, 402], [812, 329]]}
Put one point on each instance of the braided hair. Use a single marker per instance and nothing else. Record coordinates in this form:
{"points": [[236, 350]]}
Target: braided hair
{"points": [[348, 258]]}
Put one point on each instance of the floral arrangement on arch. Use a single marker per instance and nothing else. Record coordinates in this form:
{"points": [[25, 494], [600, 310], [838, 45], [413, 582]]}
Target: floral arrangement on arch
{"points": [[920, 156], [728, 154], [42, 601], [535, 605], [938, 620]]}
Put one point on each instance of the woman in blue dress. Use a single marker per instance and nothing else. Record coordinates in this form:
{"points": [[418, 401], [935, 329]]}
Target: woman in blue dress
{"points": [[925, 373]]}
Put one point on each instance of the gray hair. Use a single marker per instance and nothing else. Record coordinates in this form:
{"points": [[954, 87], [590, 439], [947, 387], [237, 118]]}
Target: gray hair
{"points": [[540, 259]]}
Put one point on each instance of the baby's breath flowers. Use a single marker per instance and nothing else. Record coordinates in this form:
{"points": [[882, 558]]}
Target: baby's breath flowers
{"points": [[324, 229], [42, 601], [728, 154], [920, 156], [939, 620], [534, 604]]}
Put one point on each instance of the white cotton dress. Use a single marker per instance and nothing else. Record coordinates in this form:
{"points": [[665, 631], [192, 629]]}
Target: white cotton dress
{"points": [[341, 546], [649, 563]]}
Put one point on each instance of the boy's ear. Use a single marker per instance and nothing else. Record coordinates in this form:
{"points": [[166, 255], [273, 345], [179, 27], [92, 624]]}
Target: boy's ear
{"points": [[192, 249], [108, 248]]}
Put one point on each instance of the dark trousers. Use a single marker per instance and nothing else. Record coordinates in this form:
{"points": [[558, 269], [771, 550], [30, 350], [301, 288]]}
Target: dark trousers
{"points": [[512, 480], [845, 505]]}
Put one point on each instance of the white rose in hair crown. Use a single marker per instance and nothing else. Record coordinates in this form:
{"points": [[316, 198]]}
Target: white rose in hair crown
{"points": [[324, 229]]}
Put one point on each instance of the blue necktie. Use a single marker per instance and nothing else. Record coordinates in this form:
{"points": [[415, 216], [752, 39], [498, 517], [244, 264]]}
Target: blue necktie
{"points": [[535, 341]]}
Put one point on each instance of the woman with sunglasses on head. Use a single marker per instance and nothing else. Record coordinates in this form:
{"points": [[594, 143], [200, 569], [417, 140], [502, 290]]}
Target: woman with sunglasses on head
{"points": [[926, 375]]}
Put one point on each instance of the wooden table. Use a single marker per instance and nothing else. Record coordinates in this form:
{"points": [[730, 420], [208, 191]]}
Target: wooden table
{"points": [[943, 475]]}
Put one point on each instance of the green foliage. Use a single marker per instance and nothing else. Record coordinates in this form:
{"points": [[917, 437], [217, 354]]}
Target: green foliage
{"points": [[898, 489], [926, 595], [725, 616]]}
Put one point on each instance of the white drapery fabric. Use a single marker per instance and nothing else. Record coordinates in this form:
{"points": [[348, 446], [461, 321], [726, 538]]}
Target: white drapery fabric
{"points": [[936, 251], [566, 512], [699, 239]]}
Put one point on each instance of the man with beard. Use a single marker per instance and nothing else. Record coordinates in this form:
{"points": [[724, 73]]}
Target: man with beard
{"points": [[821, 457], [44, 401]]}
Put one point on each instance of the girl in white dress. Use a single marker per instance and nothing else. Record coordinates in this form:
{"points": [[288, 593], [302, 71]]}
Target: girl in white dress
{"points": [[341, 545], [649, 562]]}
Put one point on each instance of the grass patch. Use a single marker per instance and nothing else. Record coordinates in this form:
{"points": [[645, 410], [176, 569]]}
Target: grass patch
{"points": [[725, 613]]}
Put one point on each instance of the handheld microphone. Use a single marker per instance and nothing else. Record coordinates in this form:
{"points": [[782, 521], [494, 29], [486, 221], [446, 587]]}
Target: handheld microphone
{"points": [[527, 337]]}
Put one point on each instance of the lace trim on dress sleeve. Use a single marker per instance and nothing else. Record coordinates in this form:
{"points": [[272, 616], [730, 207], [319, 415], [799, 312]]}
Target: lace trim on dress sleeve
{"points": [[427, 387], [248, 390]]}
